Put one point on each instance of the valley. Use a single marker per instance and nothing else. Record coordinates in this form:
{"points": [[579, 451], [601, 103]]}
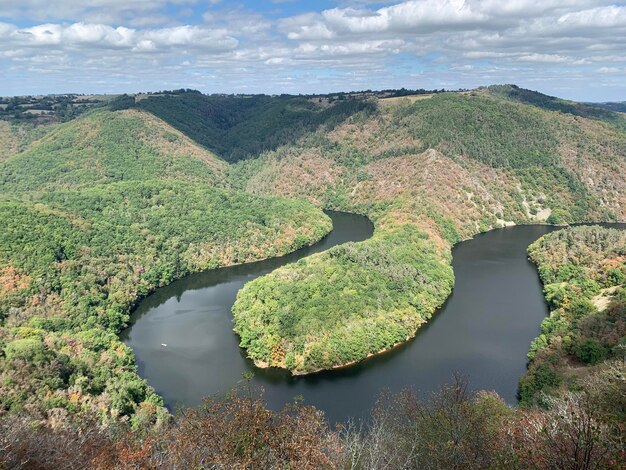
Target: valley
{"points": [[124, 200], [497, 305]]}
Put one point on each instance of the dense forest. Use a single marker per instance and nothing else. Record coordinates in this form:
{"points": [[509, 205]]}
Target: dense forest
{"points": [[583, 271], [597, 111], [99, 211], [16, 137], [458, 164], [237, 127], [619, 106], [106, 147], [367, 298], [75, 262]]}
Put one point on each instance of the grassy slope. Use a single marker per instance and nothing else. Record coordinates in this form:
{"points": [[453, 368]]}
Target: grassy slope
{"points": [[583, 270], [104, 147], [444, 168]]}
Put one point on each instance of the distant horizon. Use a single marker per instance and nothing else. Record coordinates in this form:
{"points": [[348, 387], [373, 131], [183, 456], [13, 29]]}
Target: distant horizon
{"points": [[334, 92], [573, 50]]}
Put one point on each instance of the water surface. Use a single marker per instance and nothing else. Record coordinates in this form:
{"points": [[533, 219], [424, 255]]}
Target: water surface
{"points": [[483, 331]]}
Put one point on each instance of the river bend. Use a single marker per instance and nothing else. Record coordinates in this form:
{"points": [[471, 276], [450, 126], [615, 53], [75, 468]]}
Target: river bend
{"points": [[483, 330]]}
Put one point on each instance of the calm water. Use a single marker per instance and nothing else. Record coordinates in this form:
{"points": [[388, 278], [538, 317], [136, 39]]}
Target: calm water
{"points": [[483, 331]]}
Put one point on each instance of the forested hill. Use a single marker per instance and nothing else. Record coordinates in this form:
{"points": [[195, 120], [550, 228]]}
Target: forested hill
{"points": [[430, 170], [109, 146], [481, 152], [583, 271], [98, 211], [605, 112], [618, 106], [237, 127]]}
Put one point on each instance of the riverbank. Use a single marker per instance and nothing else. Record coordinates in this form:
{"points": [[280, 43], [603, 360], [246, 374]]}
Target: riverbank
{"points": [[483, 329], [75, 262], [340, 306], [577, 339]]}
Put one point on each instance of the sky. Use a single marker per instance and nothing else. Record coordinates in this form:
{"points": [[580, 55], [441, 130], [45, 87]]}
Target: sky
{"points": [[573, 49]]}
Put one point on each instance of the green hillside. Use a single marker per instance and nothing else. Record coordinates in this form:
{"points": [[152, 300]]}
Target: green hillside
{"points": [[106, 147], [95, 215], [551, 103], [443, 168], [9, 142], [74, 263], [618, 106], [341, 306], [583, 271], [109, 206], [237, 127], [17, 137]]}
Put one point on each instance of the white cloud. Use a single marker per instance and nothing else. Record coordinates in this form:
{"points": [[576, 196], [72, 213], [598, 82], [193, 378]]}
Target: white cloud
{"points": [[601, 17], [418, 17], [84, 36], [359, 43], [550, 59], [350, 48], [562, 32], [190, 36], [610, 70], [113, 11]]}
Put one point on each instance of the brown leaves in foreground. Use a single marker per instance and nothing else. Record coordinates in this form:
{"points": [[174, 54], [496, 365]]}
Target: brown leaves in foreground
{"points": [[453, 429], [242, 433], [29, 444], [236, 432], [569, 435]]}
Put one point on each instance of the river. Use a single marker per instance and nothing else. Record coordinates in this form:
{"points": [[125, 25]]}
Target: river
{"points": [[483, 331]]}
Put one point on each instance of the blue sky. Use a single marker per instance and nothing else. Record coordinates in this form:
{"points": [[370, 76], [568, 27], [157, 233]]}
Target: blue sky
{"points": [[568, 48]]}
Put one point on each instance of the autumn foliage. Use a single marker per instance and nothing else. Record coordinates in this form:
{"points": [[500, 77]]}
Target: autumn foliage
{"points": [[453, 428]]}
